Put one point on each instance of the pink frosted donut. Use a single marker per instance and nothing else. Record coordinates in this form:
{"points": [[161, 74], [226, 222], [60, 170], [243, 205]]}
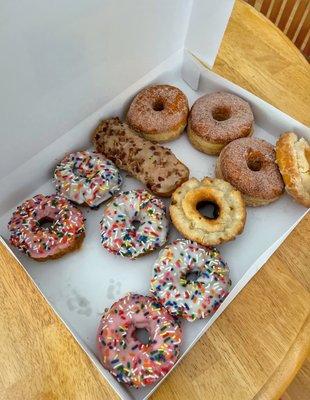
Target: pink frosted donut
{"points": [[129, 360], [65, 234], [218, 118]]}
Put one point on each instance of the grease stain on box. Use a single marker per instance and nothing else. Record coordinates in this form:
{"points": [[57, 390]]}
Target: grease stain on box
{"points": [[79, 304]]}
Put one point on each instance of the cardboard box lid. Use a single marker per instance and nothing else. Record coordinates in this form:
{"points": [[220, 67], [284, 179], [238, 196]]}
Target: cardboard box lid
{"points": [[61, 61]]}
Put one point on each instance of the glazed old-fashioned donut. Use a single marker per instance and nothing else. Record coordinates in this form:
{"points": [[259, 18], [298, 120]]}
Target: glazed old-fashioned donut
{"points": [[194, 298], [249, 165], [218, 118], [293, 159], [134, 223], [29, 235], [159, 113], [124, 355], [154, 165], [228, 217], [87, 178]]}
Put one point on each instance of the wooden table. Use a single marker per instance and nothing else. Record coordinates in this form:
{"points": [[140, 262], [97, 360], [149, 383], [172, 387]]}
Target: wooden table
{"points": [[256, 346]]}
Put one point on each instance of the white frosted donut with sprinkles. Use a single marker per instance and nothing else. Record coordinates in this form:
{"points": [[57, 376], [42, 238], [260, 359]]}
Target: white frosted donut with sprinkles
{"points": [[129, 360], [87, 178], [134, 223], [182, 296], [65, 233]]}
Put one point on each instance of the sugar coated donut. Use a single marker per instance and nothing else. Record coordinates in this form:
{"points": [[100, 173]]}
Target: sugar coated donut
{"points": [[194, 298], [293, 159], [249, 165], [87, 178], [134, 223], [227, 220], [129, 360], [218, 118], [29, 235], [159, 113]]}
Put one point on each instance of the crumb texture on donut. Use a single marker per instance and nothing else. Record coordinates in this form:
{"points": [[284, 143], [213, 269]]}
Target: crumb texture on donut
{"points": [[158, 112], [293, 158], [195, 226], [218, 118], [154, 165], [249, 165]]}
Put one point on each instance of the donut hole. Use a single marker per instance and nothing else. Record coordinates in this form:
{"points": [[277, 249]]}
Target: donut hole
{"points": [[221, 113], [46, 223], [142, 334], [254, 160], [158, 105], [192, 276], [208, 209]]}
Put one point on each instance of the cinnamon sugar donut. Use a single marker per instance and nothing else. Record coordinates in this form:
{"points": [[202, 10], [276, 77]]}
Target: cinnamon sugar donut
{"points": [[249, 165], [293, 158], [159, 113], [218, 118]]}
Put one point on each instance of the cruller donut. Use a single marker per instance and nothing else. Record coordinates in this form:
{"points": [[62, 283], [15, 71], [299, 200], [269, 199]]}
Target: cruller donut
{"points": [[249, 165], [293, 158], [228, 217], [159, 113], [218, 118]]}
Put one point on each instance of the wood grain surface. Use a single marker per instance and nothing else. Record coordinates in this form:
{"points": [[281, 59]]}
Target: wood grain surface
{"points": [[253, 349]]}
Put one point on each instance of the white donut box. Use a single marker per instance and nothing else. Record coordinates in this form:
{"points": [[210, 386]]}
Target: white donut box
{"points": [[67, 65]]}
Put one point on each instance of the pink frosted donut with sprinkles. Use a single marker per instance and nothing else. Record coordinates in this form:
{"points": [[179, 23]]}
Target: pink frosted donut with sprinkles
{"points": [[87, 178], [28, 233], [189, 280], [121, 352], [134, 223]]}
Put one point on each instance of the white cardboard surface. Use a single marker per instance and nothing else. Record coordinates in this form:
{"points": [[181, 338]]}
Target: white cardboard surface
{"points": [[81, 285]]}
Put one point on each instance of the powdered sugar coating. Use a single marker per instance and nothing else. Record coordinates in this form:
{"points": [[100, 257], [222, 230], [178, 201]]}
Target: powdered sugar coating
{"points": [[265, 183], [130, 361], [190, 299], [118, 233], [142, 117], [239, 123], [86, 177], [39, 242]]}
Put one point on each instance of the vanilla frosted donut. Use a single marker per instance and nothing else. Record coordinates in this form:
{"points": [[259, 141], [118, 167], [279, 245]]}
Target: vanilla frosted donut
{"points": [[130, 361], [159, 113], [87, 178], [218, 118], [183, 297], [29, 235], [119, 231]]}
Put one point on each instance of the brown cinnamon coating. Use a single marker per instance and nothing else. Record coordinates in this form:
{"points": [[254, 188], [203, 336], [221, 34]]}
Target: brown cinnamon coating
{"points": [[249, 165], [154, 165]]}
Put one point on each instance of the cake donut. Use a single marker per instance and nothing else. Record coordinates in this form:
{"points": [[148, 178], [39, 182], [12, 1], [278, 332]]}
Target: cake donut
{"points": [[129, 360], [29, 235], [249, 165], [87, 178], [158, 113], [293, 159], [228, 217], [154, 165], [134, 223], [184, 297], [218, 118]]}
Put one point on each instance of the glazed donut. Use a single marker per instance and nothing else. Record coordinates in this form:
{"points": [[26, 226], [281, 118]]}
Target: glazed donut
{"points": [[119, 233], [181, 296], [293, 159], [154, 165], [159, 113], [87, 178], [129, 360], [218, 118], [65, 234], [228, 218], [249, 165]]}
